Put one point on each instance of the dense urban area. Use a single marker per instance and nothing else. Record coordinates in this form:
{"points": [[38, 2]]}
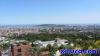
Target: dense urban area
{"points": [[48, 39]]}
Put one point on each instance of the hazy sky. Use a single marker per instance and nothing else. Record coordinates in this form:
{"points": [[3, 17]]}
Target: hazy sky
{"points": [[49, 11]]}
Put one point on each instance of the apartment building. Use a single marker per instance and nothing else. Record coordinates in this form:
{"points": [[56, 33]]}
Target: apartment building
{"points": [[21, 49]]}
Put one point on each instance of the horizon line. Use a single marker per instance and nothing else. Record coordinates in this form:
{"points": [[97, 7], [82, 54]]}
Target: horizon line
{"points": [[51, 24]]}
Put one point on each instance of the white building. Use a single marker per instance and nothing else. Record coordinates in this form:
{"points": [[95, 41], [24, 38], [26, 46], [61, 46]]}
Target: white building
{"points": [[57, 53], [42, 44], [6, 53], [59, 42], [2, 39]]}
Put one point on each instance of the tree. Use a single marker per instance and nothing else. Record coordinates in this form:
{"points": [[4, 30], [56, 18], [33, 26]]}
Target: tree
{"points": [[61, 47], [1, 49], [36, 51], [4, 47]]}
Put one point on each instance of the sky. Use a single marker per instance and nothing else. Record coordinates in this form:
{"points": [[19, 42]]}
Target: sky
{"points": [[49, 11]]}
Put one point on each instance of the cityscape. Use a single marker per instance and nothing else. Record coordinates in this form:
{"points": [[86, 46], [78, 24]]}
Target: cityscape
{"points": [[47, 39], [49, 27]]}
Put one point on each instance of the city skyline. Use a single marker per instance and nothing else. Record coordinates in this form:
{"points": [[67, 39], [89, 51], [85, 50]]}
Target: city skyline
{"points": [[49, 12]]}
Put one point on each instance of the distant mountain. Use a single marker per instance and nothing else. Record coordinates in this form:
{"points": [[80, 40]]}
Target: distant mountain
{"points": [[48, 25], [52, 25]]}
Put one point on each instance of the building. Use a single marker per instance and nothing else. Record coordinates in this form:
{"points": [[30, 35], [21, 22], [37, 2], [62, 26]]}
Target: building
{"points": [[2, 39], [21, 49], [5, 53], [60, 42], [57, 53], [42, 44], [57, 41]]}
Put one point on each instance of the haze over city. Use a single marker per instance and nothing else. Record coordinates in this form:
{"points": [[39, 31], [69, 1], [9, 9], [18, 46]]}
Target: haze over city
{"points": [[49, 12]]}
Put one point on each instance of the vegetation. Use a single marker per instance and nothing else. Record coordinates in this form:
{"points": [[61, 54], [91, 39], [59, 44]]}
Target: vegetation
{"points": [[81, 41], [4, 47]]}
